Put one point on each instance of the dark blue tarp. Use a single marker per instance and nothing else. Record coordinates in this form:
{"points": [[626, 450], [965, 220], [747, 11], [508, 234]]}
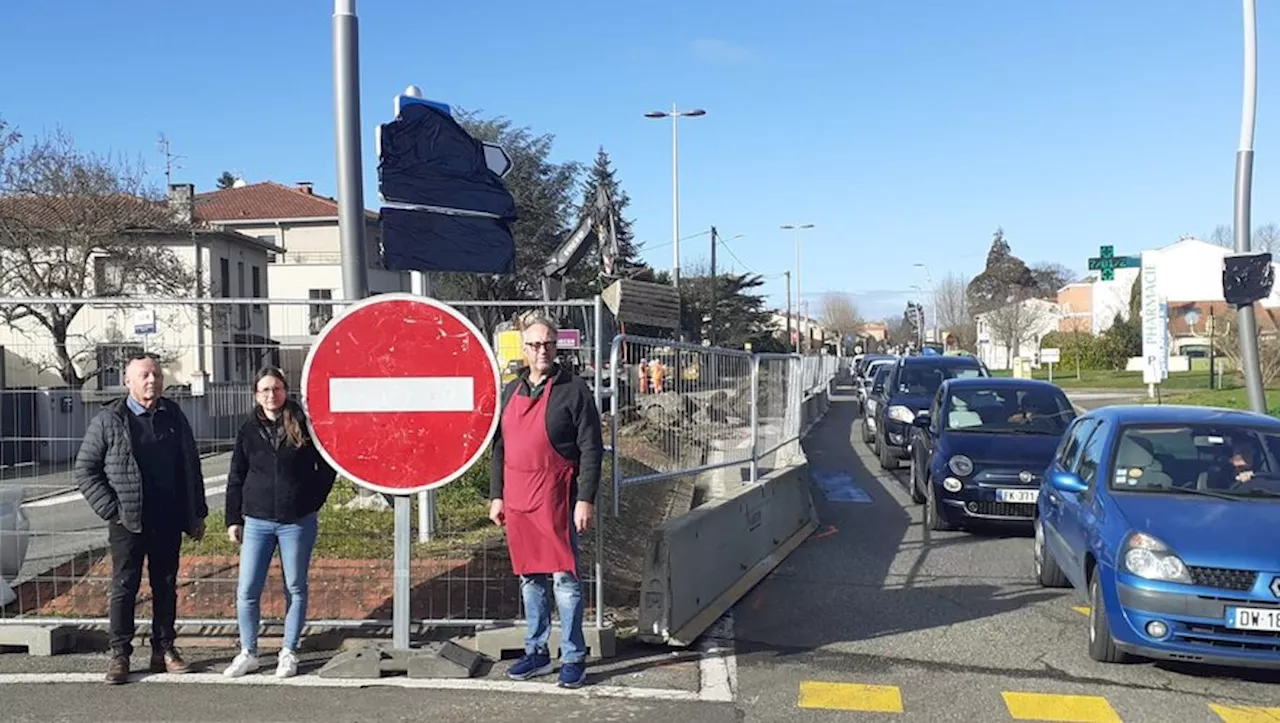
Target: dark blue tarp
{"points": [[427, 158], [422, 241]]}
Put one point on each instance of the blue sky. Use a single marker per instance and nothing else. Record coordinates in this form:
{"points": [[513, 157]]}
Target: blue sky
{"points": [[906, 132]]}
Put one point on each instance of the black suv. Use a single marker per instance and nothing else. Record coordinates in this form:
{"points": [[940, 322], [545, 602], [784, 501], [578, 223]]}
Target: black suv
{"points": [[910, 389]]}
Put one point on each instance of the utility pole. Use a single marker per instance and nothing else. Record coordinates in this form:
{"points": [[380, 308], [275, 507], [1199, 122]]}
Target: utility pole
{"points": [[1243, 197], [715, 284], [788, 273]]}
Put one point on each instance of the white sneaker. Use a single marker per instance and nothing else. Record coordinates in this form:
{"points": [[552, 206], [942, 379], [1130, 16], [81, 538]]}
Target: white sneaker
{"points": [[245, 662], [286, 663]]}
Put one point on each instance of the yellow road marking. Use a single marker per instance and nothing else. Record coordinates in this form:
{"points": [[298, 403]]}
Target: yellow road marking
{"points": [[1083, 610], [1245, 714], [1063, 708], [850, 696]]}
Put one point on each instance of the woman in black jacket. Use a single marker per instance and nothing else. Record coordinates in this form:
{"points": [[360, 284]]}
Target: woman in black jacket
{"points": [[277, 484]]}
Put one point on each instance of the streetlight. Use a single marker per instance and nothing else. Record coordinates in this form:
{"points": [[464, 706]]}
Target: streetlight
{"points": [[675, 116], [799, 299]]}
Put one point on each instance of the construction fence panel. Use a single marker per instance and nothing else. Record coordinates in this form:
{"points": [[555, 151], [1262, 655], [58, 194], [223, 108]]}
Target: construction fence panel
{"points": [[53, 547]]}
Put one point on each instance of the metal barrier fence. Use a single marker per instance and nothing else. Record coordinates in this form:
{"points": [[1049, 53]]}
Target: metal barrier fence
{"points": [[697, 414], [53, 553]]}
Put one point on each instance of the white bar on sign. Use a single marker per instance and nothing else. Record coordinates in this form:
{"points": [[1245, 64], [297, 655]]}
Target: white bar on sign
{"points": [[401, 394]]}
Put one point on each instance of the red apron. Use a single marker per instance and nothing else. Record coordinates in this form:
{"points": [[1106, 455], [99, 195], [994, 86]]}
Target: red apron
{"points": [[535, 490]]}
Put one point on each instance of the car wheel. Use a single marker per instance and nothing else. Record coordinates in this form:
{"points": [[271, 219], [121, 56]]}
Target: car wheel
{"points": [[1047, 571], [932, 510], [916, 496], [1102, 647], [888, 460]]}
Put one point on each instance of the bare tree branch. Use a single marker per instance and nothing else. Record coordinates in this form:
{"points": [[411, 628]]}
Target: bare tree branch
{"points": [[1014, 324]]}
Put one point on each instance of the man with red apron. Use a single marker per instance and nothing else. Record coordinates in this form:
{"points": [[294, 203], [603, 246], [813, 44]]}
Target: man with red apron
{"points": [[546, 468]]}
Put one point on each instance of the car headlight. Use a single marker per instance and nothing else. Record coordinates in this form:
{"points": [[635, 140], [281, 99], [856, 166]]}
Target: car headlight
{"points": [[899, 413], [961, 465], [1151, 559]]}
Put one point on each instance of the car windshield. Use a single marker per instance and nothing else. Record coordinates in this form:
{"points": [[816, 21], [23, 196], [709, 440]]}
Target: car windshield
{"points": [[1009, 410], [1235, 460], [876, 366], [923, 380]]}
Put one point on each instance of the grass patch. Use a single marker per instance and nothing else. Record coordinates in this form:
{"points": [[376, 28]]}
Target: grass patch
{"points": [[1098, 379], [462, 519], [1227, 398]]}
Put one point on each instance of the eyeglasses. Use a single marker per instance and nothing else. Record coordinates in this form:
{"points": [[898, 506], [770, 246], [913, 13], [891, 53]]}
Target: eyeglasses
{"points": [[540, 345]]}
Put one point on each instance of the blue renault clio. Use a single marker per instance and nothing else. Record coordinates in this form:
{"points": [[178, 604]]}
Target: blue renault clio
{"points": [[1168, 519]]}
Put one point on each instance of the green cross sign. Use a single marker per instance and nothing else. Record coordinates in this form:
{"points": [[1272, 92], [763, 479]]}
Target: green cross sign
{"points": [[1107, 262]]}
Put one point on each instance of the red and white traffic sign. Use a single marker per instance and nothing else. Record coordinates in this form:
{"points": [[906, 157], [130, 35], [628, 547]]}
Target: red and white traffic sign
{"points": [[401, 392]]}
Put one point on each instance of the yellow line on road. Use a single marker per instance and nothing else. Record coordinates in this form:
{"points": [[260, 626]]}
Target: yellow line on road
{"points": [[850, 696], [1083, 610], [1244, 714], [1065, 708]]}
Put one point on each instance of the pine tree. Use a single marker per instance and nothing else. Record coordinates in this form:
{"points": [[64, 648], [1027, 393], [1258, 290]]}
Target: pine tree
{"points": [[602, 174], [226, 180]]}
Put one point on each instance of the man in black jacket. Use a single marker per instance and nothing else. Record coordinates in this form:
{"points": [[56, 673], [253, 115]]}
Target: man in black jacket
{"points": [[139, 469]]}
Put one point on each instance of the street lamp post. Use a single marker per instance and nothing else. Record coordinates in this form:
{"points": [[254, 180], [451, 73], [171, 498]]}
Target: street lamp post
{"points": [[674, 114], [799, 299]]}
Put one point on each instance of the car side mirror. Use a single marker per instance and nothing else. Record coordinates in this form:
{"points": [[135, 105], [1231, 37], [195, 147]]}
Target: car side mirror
{"points": [[1068, 482], [922, 420]]}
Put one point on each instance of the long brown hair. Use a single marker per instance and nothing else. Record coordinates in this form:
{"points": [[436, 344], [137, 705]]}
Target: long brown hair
{"points": [[291, 413]]}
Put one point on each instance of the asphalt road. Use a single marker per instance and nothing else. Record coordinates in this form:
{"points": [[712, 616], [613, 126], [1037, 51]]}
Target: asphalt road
{"points": [[877, 614], [63, 525]]}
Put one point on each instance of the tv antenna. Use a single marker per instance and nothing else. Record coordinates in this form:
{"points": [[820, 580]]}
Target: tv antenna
{"points": [[170, 159]]}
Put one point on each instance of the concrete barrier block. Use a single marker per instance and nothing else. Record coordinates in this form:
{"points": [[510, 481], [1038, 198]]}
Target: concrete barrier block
{"points": [[700, 564], [505, 641]]}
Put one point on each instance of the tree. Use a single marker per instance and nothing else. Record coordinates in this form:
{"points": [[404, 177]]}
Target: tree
{"points": [[951, 307], [602, 174], [1018, 322], [76, 225], [897, 330], [1264, 238], [1005, 280], [1226, 340], [1048, 277], [741, 316], [840, 314], [226, 180], [543, 191]]}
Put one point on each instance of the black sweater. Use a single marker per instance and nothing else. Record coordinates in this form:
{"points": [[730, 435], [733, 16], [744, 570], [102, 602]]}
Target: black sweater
{"points": [[272, 480], [573, 426]]}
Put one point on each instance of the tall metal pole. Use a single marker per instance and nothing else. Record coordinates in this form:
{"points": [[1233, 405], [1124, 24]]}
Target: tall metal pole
{"points": [[715, 283], [675, 196], [797, 342], [346, 113], [1243, 198]]}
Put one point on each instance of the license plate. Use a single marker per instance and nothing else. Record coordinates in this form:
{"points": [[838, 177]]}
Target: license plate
{"points": [[1253, 619], [1018, 496]]}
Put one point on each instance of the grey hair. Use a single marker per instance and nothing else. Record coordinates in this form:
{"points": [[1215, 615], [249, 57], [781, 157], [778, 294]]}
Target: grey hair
{"points": [[534, 318]]}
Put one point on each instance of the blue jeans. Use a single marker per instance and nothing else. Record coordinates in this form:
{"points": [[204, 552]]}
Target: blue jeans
{"points": [[296, 540], [566, 589]]}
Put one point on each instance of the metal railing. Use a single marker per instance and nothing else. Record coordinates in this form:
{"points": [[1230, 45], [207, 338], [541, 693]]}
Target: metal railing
{"points": [[679, 410]]}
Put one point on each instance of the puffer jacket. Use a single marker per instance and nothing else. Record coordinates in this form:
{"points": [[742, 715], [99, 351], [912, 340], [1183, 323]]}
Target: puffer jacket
{"points": [[110, 480]]}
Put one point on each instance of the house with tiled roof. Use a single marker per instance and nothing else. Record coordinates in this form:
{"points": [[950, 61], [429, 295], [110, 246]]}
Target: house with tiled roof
{"points": [[124, 246], [305, 224]]}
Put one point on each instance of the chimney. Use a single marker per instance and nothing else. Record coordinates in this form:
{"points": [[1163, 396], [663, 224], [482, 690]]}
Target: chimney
{"points": [[182, 197], [304, 186]]}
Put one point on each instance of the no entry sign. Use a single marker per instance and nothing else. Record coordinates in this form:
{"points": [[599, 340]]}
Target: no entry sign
{"points": [[401, 393]]}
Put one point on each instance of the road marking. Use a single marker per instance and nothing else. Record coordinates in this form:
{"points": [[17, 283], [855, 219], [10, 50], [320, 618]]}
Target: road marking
{"points": [[68, 497], [1082, 609], [314, 681], [402, 394], [828, 532], [1064, 708], [718, 666], [1245, 714], [850, 696]]}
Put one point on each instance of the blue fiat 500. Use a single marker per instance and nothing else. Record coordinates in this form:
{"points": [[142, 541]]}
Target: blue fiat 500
{"points": [[1168, 519]]}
